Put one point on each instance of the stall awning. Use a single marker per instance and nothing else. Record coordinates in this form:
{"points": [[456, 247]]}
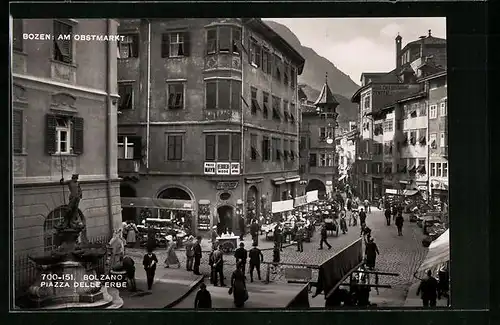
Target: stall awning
{"points": [[439, 252], [300, 201], [281, 206], [409, 192], [312, 196], [278, 181], [153, 203], [293, 179]]}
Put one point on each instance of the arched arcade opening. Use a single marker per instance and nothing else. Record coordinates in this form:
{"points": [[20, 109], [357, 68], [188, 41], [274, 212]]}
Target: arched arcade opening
{"points": [[317, 185]]}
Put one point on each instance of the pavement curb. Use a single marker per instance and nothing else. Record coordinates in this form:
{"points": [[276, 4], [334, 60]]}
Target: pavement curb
{"points": [[192, 287]]}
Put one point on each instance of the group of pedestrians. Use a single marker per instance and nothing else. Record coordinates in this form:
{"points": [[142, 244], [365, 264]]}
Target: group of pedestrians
{"points": [[396, 212]]}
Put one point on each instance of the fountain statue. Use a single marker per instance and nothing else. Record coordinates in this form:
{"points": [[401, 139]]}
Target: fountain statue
{"points": [[67, 276]]}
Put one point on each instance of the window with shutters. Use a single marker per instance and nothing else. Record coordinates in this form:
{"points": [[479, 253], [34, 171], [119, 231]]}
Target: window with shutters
{"points": [[265, 104], [223, 94], [63, 42], [277, 153], [266, 149], [286, 149], [277, 67], [17, 35], [286, 113], [64, 135], [175, 95], [292, 113], [303, 143], [126, 147], [313, 160], [235, 147], [266, 60], [254, 152], [128, 47], [255, 53], [176, 44], [126, 93], [276, 108], [174, 147], [286, 74], [17, 130], [255, 103], [293, 77]]}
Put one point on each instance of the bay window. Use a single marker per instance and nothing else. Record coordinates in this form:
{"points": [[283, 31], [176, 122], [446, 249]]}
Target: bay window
{"points": [[223, 94], [223, 39], [223, 147]]}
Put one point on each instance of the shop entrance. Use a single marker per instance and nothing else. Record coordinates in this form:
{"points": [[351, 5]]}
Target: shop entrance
{"points": [[253, 206], [225, 213], [178, 215], [128, 213]]}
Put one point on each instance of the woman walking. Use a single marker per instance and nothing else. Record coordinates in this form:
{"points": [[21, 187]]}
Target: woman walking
{"points": [[131, 234], [171, 256], [238, 287]]}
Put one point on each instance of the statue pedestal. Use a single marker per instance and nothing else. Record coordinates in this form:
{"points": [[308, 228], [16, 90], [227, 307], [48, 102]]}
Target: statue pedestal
{"points": [[67, 277]]}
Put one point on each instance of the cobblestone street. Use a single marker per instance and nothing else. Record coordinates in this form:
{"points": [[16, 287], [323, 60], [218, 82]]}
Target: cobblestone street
{"points": [[398, 254]]}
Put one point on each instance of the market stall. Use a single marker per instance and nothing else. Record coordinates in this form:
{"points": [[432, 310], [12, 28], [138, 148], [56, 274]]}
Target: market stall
{"points": [[438, 254], [179, 212]]}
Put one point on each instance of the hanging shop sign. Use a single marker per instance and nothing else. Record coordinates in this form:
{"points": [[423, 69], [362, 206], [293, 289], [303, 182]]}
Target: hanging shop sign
{"points": [[300, 201], [209, 168], [223, 168], [227, 185], [235, 168], [282, 206], [312, 196]]}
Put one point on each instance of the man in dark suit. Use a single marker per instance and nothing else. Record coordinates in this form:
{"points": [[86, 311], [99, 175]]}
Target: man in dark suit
{"points": [[242, 227], [256, 257], [197, 256], [149, 263], [241, 256], [428, 289], [254, 231], [218, 259]]}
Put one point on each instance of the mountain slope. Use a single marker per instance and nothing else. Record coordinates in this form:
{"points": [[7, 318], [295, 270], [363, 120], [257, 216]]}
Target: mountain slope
{"points": [[316, 66]]}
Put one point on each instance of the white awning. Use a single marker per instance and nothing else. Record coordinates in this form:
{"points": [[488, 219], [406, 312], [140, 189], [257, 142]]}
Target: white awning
{"points": [[409, 192], [153, 203], [293, 179], [439, 252], [281, 206]]}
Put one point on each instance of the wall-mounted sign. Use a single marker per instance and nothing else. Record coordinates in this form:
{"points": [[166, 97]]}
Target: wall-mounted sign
{"points": [[223, 168], [227, 185], [235, 168], [209, 168]]}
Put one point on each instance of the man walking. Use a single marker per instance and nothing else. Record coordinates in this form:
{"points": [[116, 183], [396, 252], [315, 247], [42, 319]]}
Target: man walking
{"points": [[366, 203], [149, 263], [189, 253], [362, 220], [218, 266], [324, 236], [299, 238], [254, 231], [428, 290], [242, 227], [399, 224], [387, 214], [241, 256], [277, 236], [197, 256], [256, 257], [203, 298]]}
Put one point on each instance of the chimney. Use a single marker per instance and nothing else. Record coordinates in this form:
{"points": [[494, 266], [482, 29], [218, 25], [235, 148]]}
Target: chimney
{"points": [[422, 47], [398, 51], [430, 34]]}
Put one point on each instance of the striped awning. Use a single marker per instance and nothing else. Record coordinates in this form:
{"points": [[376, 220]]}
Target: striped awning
{"points": [[153, 203], [439, 252]]}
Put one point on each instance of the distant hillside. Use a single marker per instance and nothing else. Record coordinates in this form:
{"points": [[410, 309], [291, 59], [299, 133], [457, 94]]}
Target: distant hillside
{"points": [[316, 66], [346, 109]]}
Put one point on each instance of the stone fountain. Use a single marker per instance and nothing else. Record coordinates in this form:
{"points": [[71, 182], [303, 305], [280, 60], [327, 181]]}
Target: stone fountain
{"points": [[67, 276]]}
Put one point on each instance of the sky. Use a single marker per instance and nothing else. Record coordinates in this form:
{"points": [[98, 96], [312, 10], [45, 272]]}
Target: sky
{"points": [[357, 45]]}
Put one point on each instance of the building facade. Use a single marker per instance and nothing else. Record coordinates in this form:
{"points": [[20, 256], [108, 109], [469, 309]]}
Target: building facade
{"points": [[388, 103], [64, 122], [319, 159], [210, 109], [438, 135]]}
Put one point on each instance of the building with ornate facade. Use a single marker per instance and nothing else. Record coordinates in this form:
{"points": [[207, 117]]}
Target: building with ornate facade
{"points": [[64, 105], [390, 107], [317, 162], [208, 125]]}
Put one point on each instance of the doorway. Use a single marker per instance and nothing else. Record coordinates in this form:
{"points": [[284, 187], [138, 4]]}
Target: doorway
{"points": [[225, 213], [128, 213]]}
